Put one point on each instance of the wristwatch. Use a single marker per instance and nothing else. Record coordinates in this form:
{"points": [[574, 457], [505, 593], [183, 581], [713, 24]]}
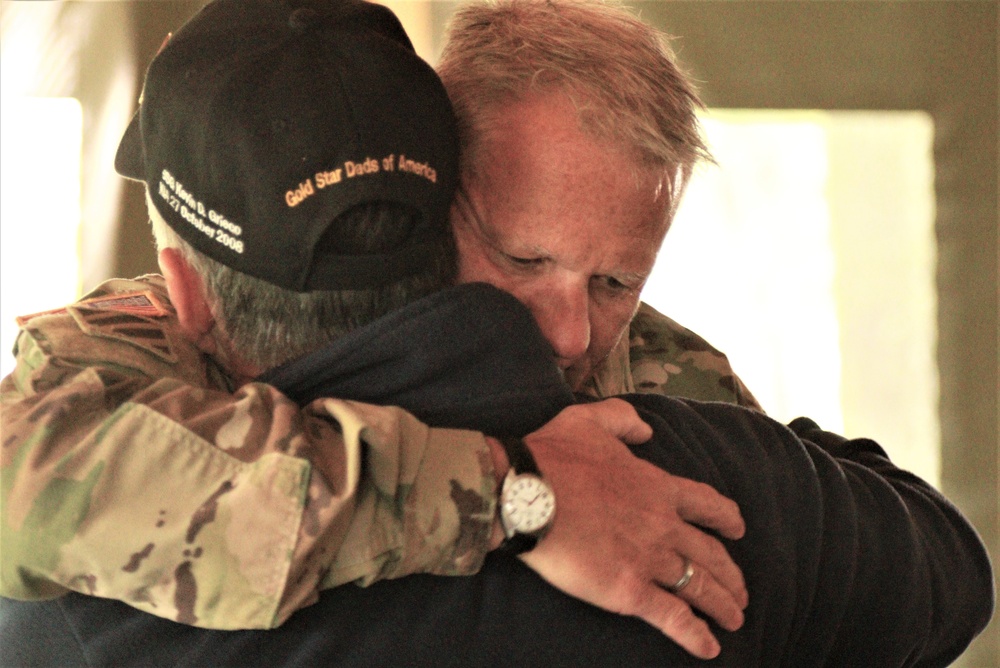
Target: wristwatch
{"points": [[527, 503]]}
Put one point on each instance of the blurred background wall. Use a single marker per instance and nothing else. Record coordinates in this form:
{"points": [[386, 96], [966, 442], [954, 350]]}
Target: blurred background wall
{"points": [[66, 214]]}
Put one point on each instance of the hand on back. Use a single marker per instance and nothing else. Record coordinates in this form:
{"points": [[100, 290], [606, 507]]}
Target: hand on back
{"points": [[625, 529]]}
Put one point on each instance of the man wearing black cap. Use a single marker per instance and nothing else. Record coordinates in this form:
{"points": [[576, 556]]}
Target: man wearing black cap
{"points": [[259, 125], [197, 202]]}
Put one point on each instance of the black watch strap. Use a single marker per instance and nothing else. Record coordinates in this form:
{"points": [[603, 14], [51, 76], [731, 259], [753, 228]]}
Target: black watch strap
{"points": [[517, 544], [519, 456]]}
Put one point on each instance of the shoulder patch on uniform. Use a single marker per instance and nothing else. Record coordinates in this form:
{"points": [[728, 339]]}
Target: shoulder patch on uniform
{"points": [[142, 303], [137, 330]]}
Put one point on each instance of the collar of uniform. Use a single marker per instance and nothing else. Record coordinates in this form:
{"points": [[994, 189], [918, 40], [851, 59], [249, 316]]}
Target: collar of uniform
{"points": [[613, 376]]}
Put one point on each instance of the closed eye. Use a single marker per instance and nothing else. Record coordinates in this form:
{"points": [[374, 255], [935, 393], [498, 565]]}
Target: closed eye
{"points": [[618, 286], [524, 261]]}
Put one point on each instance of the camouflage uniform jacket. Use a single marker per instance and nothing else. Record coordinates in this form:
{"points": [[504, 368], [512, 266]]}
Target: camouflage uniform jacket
{"points": [[130, 466]]}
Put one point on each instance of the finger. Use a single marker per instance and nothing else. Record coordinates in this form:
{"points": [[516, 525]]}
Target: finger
{"points": [[714, 561], [703, 505], [621, 419], [674, 618], [702, 591]]}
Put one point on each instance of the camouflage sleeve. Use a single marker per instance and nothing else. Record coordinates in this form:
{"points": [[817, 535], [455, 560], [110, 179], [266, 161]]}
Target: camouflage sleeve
{"points": [[213, 508], [663, 357], [667, 358]]}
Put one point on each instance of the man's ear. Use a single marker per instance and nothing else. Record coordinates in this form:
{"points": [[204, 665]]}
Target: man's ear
{"points": [[185, 289]]}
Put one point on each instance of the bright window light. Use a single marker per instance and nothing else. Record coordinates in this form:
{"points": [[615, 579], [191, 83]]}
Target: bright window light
{"points": [[807, 256], [40, 142]]}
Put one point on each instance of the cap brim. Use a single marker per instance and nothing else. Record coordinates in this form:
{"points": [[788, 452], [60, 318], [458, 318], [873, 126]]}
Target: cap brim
{"points": [[130, 160]]}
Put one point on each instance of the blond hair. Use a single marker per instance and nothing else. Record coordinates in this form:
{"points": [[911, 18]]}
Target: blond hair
{"points": [[620, 73]]}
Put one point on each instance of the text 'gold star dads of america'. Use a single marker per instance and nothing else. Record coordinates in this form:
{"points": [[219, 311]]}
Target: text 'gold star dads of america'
{"points": [[350, 170]]}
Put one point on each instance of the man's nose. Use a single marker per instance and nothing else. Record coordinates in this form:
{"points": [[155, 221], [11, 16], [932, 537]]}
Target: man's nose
{"points": [[564, 318]]}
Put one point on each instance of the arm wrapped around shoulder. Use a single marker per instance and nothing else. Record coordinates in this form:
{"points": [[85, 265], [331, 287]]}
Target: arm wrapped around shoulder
{"points": [[902, 512]]}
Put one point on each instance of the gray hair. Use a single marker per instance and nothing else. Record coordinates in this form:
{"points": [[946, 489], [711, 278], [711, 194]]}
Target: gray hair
{"points": [[267, 325], [619, 72]]}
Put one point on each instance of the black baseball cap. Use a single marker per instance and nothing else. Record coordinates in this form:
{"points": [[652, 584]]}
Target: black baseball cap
{"points": [[262, 120]]}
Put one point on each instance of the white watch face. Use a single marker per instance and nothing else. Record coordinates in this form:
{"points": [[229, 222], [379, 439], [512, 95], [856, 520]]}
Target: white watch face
{"points": [[528, 504]]}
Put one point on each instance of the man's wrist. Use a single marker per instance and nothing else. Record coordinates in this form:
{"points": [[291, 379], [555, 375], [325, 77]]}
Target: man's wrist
{"points": [[527, 502]]}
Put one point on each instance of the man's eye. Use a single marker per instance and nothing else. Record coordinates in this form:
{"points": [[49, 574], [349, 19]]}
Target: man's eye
{"points": [[523, 261], [614, 285]]}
